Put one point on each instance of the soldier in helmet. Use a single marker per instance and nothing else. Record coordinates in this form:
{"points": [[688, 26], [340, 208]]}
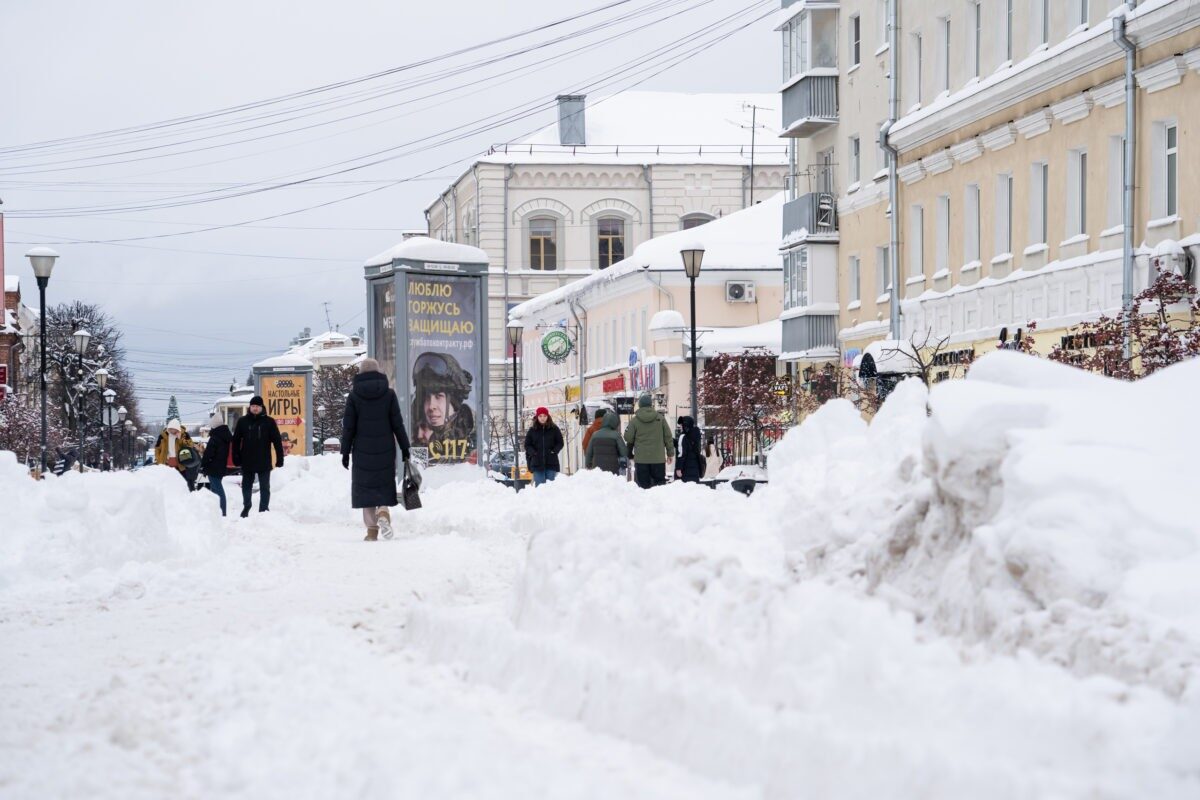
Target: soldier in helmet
{"points": [[442, 420]]}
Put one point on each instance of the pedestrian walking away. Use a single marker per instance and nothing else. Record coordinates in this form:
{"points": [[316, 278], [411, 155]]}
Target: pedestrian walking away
{"points": [[652, 446], [372, 428], [255, 440], [176, 450], [689, 465], [218, 457], [712, 460], [590, 431], [543, 442], [606, 449]]}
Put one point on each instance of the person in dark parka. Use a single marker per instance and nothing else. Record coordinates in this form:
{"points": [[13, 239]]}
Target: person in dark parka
{"points": [[255, 439], [215, 461], [689, 466], [543, 441], [372, 426], [606, 449]]}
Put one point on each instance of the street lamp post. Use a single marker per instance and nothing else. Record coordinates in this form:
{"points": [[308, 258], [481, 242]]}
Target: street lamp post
{"points": [[109, 396], [42, 259], [82, 337], [122, 412], [102, 384], [125, 441], [692, 258], [515, 331], [321, 434]]}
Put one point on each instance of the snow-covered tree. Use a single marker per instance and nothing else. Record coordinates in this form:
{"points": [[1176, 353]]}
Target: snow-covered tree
{"points": [[1162, 325], [331, 386], [173, 409], [738, 391], [21, 428]]}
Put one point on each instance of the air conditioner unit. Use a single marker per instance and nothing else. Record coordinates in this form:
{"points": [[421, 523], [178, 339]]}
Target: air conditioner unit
{"points": [[739, 291]]}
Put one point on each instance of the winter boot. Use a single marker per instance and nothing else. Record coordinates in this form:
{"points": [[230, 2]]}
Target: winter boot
{"points": [[372, 535], [385, 523], [245, 512]]}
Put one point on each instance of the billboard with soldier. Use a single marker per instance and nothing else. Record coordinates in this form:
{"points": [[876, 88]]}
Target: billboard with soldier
{"points": [[444, 355]]}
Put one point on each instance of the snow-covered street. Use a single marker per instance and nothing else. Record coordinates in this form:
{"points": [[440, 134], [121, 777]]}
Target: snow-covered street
{"points": [[996, 599]]}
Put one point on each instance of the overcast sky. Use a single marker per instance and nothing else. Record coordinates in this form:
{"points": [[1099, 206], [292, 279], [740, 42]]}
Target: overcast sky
{"points": [[198, 309]]}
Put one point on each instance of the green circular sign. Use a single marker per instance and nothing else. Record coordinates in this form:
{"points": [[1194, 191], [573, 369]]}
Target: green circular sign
{"points": [[557, 346]]}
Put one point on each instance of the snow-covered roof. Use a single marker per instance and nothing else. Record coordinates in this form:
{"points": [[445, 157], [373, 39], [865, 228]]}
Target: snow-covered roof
{"points": [[658, 128], [666, 320], [422, 248], [745, 240], [285, 360], [12, 283], [766, 335]]}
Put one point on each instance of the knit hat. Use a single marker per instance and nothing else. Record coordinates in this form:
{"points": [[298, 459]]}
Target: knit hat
{"points": [[173, 425], [257, 400], [644, 401], [368, 365], [215, 421], [541, 410]]}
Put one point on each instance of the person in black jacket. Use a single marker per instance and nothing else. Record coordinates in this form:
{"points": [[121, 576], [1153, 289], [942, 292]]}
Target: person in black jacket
{"points": [[689, 467], [215, 461], [372, 426], [543, 441], [254, 438]]}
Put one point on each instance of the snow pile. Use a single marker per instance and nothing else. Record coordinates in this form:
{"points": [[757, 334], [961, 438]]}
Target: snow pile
{"points": [[62, 529], [892, 615]]}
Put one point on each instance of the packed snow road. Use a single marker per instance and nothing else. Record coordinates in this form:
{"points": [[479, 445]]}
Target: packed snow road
{"points": [[984, 593]]}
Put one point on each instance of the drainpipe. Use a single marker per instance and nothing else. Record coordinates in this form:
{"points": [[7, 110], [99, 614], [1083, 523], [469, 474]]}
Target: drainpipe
{"points": [[478, 192], [893, 160], [1126, 44], [650, 190], [657, 284], [446, 217], [427, 229], [454, 228], [507, 388]]}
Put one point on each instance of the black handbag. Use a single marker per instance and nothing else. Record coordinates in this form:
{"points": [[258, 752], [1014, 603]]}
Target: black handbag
{"points": [[410, 490]]}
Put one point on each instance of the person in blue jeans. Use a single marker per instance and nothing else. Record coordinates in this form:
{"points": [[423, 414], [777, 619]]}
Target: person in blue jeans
{"points": [[543, 442], [216, 459]]}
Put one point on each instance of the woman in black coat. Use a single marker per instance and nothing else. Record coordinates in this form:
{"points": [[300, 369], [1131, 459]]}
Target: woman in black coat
{"points": [[690, 465], [215, 461], [371, 428], [543, 441]]}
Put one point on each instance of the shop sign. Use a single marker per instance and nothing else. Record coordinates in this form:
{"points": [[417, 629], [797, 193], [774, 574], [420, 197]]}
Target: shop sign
{"points": [[643, 378], [954, 357], [623, 404], [557, 346], [616, 384], [782, 387]]}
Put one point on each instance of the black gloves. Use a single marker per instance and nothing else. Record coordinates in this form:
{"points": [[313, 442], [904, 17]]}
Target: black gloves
{"points": [[345, 460]]}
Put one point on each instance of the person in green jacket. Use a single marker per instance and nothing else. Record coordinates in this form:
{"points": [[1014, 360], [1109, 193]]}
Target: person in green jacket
{"points": [[651, 444], [606, 449]]}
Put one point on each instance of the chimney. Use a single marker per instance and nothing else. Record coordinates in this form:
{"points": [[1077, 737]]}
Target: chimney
{"points": [[571, 128]]}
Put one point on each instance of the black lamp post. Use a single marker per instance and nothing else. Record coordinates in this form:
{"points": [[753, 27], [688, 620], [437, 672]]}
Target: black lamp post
{"points": [[42, 259], [81, 337], [321, 433], [515, 331], [109, 396], [692, 258], [125, 442], [121, 414]]}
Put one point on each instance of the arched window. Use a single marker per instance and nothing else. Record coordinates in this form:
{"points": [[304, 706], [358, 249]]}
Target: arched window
{"points": [[610, 241], [694, 221], [543, 243]]}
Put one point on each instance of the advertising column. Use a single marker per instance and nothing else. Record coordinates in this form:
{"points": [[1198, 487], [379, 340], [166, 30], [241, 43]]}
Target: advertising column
{"points": [[287, 396], [445, 349]]}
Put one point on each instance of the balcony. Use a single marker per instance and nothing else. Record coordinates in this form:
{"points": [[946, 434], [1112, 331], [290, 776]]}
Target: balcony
{"points": [[815, 213], [810, 105], [811, 334]]}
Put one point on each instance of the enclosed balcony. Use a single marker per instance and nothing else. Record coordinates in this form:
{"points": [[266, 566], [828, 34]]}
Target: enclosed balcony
{"points": [[810, 68], [814, 213], [810, 105]]}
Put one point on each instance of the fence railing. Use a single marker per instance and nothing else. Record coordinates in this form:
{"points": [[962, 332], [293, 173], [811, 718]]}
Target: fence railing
{"points": [[741, 446]]}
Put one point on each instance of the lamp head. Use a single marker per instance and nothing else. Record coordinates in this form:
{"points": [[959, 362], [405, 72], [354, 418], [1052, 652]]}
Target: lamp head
{"points": [[102, 378], [693, 257], [122, 412], [82, 337], [515, 331], [109, 396], [42, 260]]}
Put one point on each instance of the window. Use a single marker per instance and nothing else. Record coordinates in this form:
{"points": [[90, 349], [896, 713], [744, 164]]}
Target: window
{"points": [[1077, 193], [1003, 214], [1171, 168], [610, 239], [916, 242], [1008, 30], [944, 54], [855, 175], [977, 38], [694, 221], [971, 224], [881, 20], [1043, 21], [942, 251], [795, 278], [543, 250], [881, 155], [1082, 12], [855, 279], [1116, 181], [883, 273], [855, 40], [1038, 197]]}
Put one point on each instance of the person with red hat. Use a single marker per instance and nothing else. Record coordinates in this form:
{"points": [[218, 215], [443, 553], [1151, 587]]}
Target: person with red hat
{"points": [[543, 442]]}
